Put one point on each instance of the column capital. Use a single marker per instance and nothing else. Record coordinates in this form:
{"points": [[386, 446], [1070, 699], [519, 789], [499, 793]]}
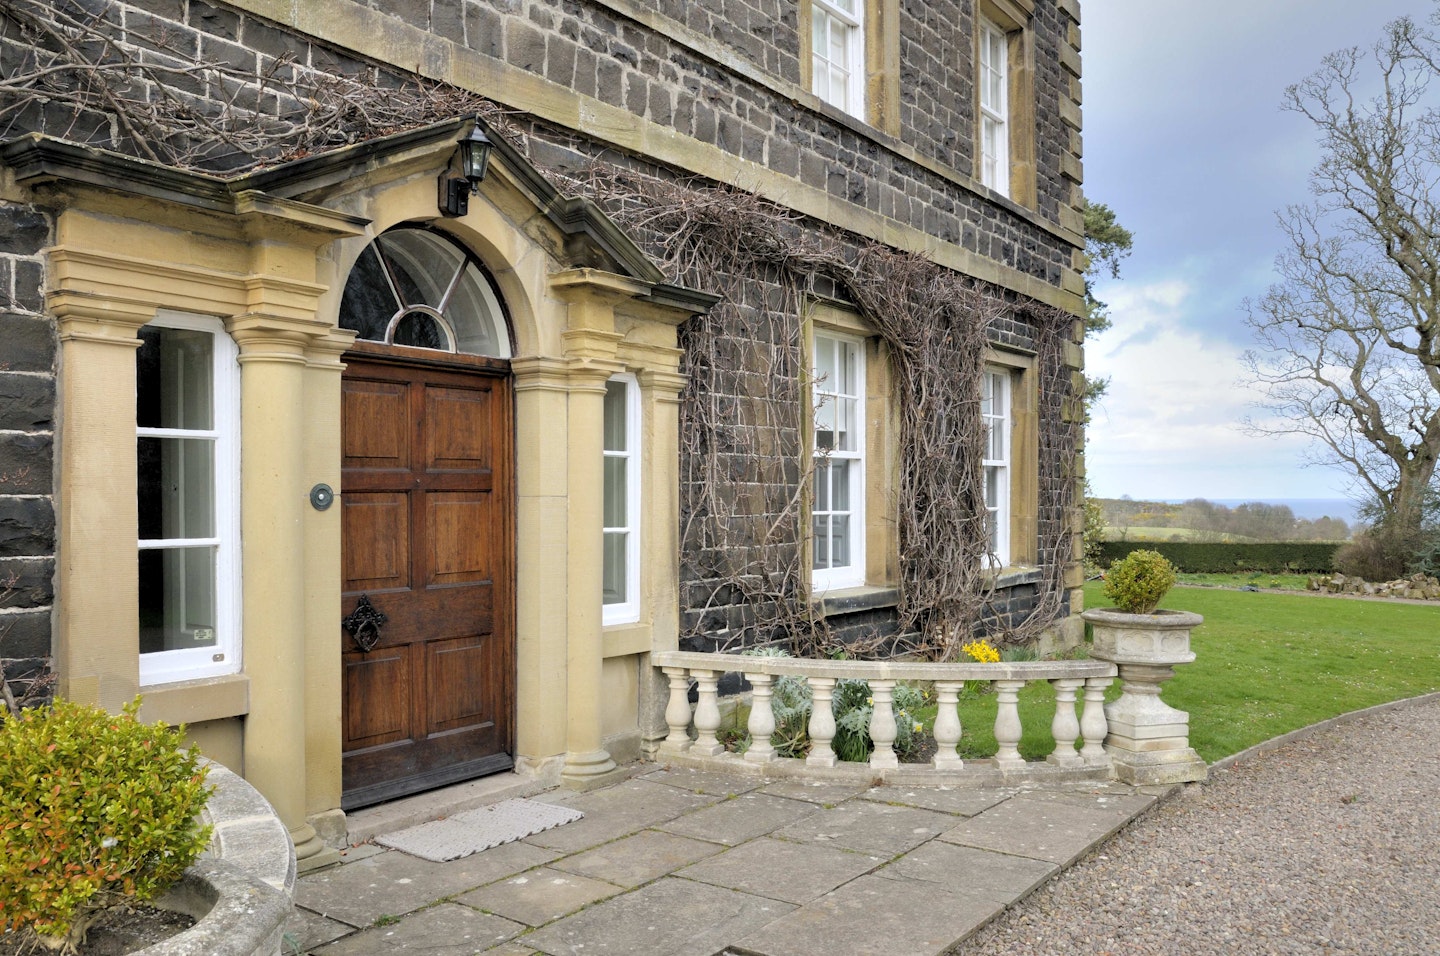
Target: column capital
{"points": [[96, 318], [594, 285]]}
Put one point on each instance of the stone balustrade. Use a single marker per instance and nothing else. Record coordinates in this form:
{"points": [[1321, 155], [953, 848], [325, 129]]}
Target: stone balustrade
{"points": [[1076, 683]]}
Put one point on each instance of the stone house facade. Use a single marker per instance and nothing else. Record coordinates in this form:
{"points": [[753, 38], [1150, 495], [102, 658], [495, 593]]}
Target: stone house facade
{"points": [[636, 388]]}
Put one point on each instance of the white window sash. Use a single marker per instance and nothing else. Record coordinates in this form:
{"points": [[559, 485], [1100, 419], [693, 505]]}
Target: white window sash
{"points": [[998, 421], [829, 18], [196, 663], [994, 110], [825, 575], [628, 611]]}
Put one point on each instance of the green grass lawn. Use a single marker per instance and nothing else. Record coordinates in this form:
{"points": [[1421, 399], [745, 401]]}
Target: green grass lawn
{"points": [[1266, 664]]}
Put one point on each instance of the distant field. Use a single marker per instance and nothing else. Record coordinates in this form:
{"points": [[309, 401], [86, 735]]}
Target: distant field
{"points": [[1131, 533]]}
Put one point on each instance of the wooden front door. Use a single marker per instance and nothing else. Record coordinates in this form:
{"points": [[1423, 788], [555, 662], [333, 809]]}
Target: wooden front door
{"points": [[426, 507]]}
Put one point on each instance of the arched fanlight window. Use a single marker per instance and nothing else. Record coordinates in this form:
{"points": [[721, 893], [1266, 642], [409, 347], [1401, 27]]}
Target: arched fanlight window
{"points": [[416, 287]]}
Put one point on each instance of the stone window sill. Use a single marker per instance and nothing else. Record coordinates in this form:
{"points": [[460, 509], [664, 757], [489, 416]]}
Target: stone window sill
{"points": [[196, 701]]}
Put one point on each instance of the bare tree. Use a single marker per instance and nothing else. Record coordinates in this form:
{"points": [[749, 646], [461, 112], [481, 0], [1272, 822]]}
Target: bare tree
{"points": [[1349, 340]]}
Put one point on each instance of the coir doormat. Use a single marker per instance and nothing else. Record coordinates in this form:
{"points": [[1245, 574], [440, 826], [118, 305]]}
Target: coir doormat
{"points": [[478, 829]]}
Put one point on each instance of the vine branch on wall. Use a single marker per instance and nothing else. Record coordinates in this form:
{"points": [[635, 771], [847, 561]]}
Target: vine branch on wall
{"points": [[745, 468]]}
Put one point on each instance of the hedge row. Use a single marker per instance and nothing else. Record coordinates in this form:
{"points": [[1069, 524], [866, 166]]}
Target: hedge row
{"points": [[1221, 558]]}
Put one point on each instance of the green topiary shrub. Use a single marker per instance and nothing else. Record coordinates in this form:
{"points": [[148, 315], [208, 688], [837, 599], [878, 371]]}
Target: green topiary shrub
{"points": [[96, 810], [1138, 581]]}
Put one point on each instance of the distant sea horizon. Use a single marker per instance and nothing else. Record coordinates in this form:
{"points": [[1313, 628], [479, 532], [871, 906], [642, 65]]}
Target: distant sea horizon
{"points": [[1308, 508]]}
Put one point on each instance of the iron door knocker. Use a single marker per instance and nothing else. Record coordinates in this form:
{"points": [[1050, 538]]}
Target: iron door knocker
{"points": [[364, 624]]}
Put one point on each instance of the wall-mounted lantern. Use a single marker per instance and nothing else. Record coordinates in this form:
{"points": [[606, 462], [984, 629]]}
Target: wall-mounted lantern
{"points": [[461, 178]]}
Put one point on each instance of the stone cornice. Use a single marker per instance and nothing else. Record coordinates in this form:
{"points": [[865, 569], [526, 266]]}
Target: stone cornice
{"points": [[36, 158]]}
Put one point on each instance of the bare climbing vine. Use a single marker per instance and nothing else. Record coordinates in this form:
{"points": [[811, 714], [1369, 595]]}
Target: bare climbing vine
{"points": [[745, 471], [141, 90], [745, 468]]}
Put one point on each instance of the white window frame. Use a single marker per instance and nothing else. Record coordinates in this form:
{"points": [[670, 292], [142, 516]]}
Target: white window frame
{"points": [[828, 18], [994, 127], [835, 577], [627, 611], [997, 412], [224, 657]]}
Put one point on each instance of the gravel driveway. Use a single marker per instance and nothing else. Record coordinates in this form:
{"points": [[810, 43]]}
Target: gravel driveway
{"points": [[1330, 844]]}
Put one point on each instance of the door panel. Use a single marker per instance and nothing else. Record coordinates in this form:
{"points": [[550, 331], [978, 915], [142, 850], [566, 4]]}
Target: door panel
{"points": [[428, 539], [376, 529]]}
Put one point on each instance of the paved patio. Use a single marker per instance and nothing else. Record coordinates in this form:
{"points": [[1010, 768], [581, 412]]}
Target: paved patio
{"points": [[675, 861]]}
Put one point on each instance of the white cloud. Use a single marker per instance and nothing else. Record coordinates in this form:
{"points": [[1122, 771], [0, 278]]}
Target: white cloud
{"points": [[1169, 426]]}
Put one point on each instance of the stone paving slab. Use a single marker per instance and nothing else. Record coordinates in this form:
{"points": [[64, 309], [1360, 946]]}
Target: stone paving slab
{"points": [[444, 928], [871, 916], [617, 811], [676, 862], [393, 883], [733, 821], [867, 827], [965, 803], [634, 860], [306, 930], [703, 781], [670, 917], [537, 897], [781, 870], [825, 794], [1057, 828], [1001, 877]]}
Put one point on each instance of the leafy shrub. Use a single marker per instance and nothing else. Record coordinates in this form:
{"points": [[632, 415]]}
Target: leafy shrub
{"points": [[95, 810], [1138, 581], [1370, 557]]}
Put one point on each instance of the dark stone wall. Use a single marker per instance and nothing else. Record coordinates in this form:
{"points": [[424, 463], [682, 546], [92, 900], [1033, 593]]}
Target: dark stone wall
{"points": [[27, 437], [589, 47]]}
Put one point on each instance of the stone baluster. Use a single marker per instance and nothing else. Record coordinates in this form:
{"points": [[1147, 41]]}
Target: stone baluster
{"points": [[707, 714], [1065, 727], [1093, 725], [1007, 724], [677, 712], [947, 725], [882, 725], [822, 722], [762, 719]]}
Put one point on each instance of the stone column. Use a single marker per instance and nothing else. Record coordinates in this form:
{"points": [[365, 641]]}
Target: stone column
{"points": [[541, 540], [322, 557], [97, 605], [585, 754], [660, 584], [273, 505], [590, 346]]}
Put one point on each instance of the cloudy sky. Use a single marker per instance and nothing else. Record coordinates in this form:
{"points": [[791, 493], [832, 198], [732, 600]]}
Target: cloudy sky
{"points": [[1186, 141]]}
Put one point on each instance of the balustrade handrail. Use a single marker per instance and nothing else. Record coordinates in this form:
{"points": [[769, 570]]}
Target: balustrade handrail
{"points": [[883, 670], [1075, 682]]}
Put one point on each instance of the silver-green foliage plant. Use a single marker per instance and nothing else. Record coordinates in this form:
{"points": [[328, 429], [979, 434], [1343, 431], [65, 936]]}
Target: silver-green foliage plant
{"points": [[97, 810], [1139, 581], [852, 706]]}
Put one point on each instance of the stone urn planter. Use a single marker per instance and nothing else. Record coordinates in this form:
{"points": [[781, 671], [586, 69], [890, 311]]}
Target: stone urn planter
{"points": [[240, 891], [1148, 740]]}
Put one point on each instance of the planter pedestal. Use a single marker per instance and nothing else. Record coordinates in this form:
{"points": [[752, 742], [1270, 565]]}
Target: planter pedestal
{"points": [[1148, 740]]}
